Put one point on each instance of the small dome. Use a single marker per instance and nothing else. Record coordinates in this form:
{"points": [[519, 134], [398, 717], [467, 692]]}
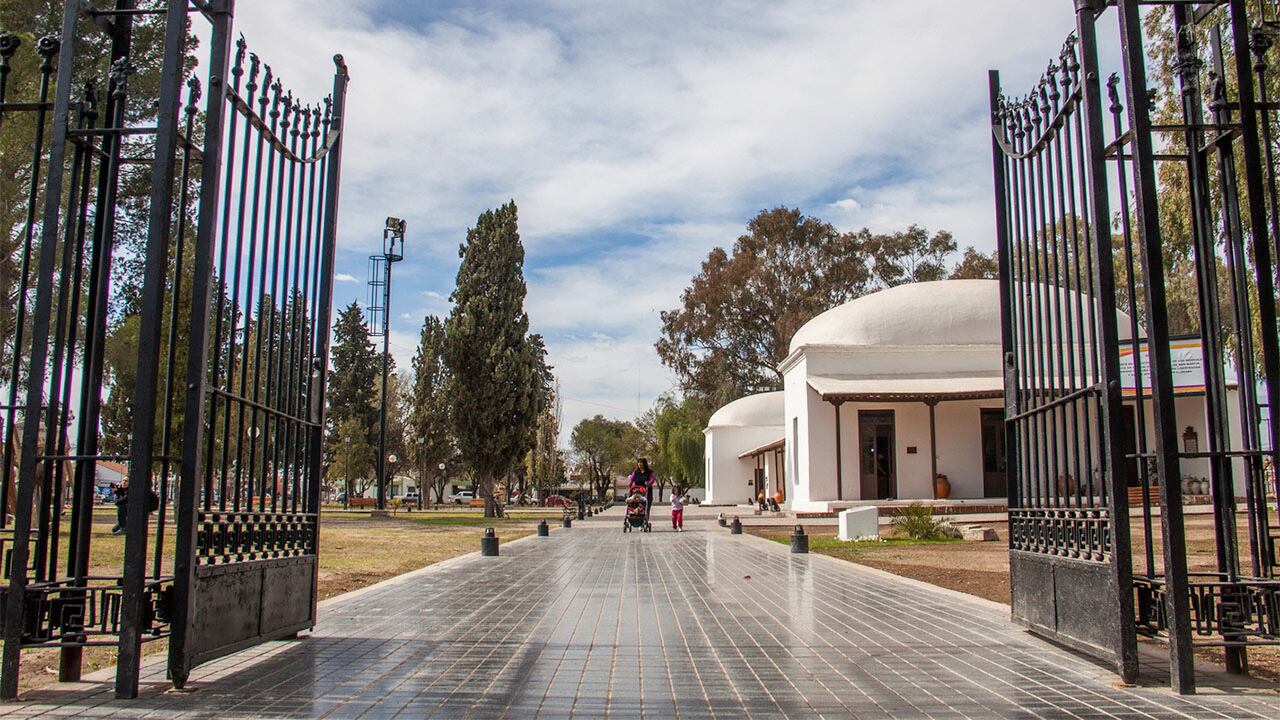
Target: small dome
{"points": [[943, 312], [763, 410]]}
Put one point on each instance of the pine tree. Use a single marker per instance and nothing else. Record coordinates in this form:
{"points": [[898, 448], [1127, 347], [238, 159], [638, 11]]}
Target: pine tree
{"points": [[500, 379], [430, 439], [354, 386]]}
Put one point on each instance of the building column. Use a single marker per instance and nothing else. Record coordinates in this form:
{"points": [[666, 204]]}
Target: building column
{"points": [[839, 459], [933, 447]]}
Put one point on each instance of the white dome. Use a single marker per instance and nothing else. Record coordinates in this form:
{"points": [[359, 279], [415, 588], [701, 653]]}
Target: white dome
{"points": [[763, 410], [943, 312]]}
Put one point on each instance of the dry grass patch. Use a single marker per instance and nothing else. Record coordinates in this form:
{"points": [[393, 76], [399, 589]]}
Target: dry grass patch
{"points": [[356, 550], [982, 568]]}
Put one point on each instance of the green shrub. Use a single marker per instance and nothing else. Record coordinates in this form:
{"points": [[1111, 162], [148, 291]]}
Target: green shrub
{"points": [[917, 522]]}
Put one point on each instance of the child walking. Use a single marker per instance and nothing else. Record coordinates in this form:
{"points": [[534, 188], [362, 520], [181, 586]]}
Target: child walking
{"points": [[677, 511]]}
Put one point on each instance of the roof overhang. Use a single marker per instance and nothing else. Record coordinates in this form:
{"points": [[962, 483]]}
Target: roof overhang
{"points": [[762, 449], [907, 389]]}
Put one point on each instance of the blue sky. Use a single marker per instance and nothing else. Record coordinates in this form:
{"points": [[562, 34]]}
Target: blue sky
{"points": [[637, 136]]}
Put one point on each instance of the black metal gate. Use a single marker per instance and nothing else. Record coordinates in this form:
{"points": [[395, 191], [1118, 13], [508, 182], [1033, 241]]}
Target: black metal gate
{"points": [[196, 241], [1122, 221]]}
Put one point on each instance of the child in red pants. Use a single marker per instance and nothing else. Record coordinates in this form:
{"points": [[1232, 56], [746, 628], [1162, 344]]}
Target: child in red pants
{"points": [[677, 512]]}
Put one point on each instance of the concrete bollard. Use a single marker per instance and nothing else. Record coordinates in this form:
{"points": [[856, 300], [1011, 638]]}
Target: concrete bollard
{"points": [[489, 543], [736, 527], [567, 522], [799, 541], [543, 530]]}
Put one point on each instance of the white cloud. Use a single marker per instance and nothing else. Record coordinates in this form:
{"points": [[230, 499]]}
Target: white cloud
{"points": [[668, 121], [344, 277]]}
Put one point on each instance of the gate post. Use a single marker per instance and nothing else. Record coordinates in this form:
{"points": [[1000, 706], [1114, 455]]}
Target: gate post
{"points": [[25, 480], [160, 213], [222, 13], [1099, 217], [320, 374]]}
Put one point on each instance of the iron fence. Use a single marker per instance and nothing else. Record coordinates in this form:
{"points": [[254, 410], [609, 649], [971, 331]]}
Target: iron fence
{"points": [[1168, 204], [183, 226]]}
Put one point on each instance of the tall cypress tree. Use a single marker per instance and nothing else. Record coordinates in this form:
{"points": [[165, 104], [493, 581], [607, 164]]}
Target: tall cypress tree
{"points": [[498, 369], [353, 376]]}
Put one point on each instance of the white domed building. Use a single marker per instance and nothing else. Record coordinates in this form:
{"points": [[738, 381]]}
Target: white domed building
{"points": [[744, 448], [890, 390], [887, 391]]}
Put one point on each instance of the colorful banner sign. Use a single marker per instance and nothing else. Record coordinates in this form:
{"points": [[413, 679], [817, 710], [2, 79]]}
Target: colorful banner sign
{"points": [[1187, 359]]}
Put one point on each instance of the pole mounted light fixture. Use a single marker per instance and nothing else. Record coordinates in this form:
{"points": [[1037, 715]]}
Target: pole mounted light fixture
{"points": [[380, 324]]}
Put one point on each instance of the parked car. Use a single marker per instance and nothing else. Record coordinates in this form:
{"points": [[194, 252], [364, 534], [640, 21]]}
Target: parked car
{"points": [[410, 498], [462, 498], [556, 500]]}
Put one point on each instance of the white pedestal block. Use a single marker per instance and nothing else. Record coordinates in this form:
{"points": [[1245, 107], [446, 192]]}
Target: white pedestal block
{"points": [[860, 522]]}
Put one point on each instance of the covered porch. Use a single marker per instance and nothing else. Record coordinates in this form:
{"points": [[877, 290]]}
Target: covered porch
{"points": [[769, 479], [892, 439]]}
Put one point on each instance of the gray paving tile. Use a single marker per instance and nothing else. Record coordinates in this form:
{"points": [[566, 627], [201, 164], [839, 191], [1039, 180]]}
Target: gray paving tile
{"points": [[592, 623]]}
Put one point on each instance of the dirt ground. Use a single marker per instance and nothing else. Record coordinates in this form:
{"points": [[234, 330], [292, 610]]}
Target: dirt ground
{"points": [[982, 568], [355, 550]]}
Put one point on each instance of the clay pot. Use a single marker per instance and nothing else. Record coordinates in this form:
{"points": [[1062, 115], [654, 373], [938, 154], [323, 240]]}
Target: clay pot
{"points": [[1066, 485], [942, 486]]}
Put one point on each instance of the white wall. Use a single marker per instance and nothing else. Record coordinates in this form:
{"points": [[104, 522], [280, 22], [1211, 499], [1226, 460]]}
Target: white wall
{"points": [[731, 479], [959, 446], [1190, 411]]}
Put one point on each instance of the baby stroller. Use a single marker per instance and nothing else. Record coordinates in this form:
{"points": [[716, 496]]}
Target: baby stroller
{"points": [[637, 513]]}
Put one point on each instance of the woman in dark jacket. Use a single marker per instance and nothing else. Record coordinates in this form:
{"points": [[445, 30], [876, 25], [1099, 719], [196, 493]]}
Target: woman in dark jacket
{"points": [[642, 477]]}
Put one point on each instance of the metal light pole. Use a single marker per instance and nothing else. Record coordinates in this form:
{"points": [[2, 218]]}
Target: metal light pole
{"points": [[380, 280]]}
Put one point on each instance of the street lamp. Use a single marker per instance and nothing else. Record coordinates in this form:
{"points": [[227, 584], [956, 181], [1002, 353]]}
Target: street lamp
{"points": [[380, 309]]}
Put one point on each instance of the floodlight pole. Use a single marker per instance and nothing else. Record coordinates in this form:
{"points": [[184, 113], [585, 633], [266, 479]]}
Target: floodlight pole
{"points": [[392, 252]]}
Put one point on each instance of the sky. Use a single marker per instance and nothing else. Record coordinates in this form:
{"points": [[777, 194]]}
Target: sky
{"points": [[637, 136]]}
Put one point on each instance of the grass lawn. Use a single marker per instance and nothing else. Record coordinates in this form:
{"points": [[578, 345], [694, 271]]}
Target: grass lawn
{"points": [[355, 550]]}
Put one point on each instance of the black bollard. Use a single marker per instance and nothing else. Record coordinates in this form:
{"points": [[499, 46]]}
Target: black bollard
{"points": [[722, 521], [799, 541], [568, 522], [589, 512], [489, 543], [543, 530], [736, 527]]}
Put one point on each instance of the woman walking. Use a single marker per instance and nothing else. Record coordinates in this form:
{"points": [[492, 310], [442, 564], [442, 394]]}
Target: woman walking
{"points": [[642, 477], [677, 510]]}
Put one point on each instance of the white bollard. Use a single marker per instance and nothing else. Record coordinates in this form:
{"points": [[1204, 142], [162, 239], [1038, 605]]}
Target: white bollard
{"points": [[860, 523]]}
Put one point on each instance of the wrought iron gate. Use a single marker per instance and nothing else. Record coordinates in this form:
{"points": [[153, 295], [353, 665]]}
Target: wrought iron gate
{"points": [[1120, 222], [226, 325]]}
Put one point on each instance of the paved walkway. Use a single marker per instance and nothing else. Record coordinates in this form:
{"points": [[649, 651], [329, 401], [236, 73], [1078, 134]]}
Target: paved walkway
{"points": [[593, 623]]}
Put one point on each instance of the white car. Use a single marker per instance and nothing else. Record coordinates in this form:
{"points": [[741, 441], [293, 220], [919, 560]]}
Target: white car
{"points": [[462, 498]]}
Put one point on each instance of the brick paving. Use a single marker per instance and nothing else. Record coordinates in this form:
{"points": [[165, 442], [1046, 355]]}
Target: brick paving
{"points": [[592, 623]]}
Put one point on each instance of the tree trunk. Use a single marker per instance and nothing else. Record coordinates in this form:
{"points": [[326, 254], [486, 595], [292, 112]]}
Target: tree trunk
{"points": [[490, 505]]}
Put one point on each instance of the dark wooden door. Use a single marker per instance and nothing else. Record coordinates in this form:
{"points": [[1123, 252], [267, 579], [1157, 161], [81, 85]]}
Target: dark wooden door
{"points": [[877, 466], [995, 479]]}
